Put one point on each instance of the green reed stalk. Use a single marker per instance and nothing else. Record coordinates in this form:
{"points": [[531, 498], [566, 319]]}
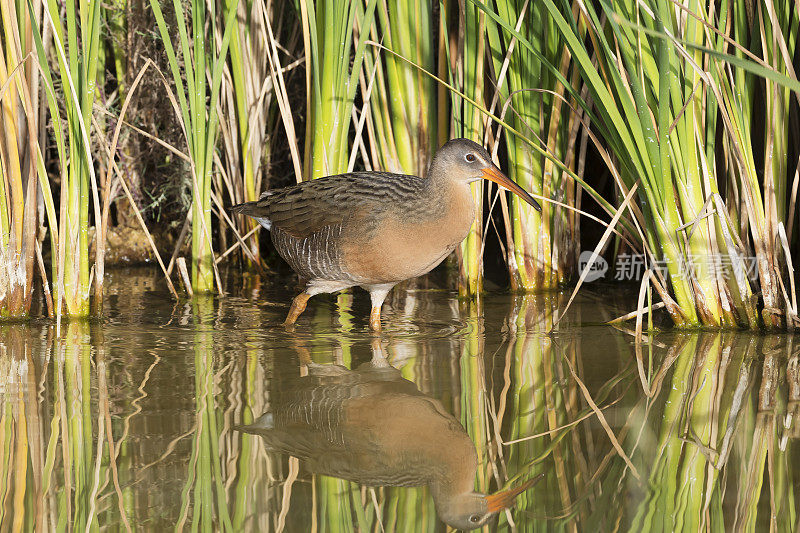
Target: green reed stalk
{"points": [[249, 446], [247, 104], [7, 460], [473, 391], [464, 25], [531, 99], [672, 158], [703, 402], [76, 51], [18, 150], [537, 405], [198, 102], [762, 183], [403, 127], [331, 79], [117, 20], [73, 388], [210, 498]]}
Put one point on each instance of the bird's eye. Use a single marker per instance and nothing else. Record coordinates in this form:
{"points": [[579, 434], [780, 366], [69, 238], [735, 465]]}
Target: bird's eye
{"points": [[470, 158], [476, 517]]}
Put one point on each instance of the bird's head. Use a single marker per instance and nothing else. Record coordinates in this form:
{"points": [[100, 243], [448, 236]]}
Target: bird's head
{"points": [[473, 509], [467, 161]]}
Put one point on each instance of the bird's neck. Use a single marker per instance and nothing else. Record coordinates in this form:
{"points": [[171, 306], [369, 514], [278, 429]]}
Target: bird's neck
{"points": [[447, 196], [455, 471]]}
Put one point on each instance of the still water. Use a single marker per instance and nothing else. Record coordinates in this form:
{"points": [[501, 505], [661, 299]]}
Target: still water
{"points": [[207, 415]]}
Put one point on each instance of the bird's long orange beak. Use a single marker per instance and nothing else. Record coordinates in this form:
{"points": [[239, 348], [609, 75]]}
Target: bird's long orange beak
{"points": [[505, 499], [492, 173]]}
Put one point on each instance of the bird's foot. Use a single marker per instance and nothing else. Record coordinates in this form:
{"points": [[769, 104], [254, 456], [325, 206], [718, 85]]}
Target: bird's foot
{"points": [[298, 306]]}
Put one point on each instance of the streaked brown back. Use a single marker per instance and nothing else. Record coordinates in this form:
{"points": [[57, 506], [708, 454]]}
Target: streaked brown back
{"points": [[306, 208]]}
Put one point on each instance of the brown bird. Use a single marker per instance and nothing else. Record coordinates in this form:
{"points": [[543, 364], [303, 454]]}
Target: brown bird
{"points": [[376, 428], [376, 229]]}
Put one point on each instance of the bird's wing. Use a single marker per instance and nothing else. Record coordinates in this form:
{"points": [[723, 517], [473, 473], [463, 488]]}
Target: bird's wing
{"points": [[307, 207]]}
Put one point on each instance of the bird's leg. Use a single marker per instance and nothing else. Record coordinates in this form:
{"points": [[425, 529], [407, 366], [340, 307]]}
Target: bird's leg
{"points": [[377, 294], [375, 319], [298, 306]]}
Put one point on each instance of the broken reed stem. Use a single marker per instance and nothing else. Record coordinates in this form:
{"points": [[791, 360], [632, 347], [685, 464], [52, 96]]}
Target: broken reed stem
{"points": [[184, 276]]}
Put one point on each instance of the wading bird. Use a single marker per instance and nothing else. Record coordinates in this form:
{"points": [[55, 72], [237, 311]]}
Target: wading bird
{"points": [[374, 427], [375, 229]]}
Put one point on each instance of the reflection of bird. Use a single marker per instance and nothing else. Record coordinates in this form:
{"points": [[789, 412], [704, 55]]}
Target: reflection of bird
{"points": [[376, 428], [375, 229]]}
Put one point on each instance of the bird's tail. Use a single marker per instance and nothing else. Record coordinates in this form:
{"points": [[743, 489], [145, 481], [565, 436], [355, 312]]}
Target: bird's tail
{"points": [[254, 210], [265, 422], [245, 208]]}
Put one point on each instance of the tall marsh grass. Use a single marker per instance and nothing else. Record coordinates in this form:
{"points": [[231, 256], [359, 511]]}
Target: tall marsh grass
{"points": [[331, 79], [19, 107], [464, 50], [247, 107], [201, 65], [75, 48], [690, 102], [402, 127], [760, 199], [643, 72], [544, 246]]}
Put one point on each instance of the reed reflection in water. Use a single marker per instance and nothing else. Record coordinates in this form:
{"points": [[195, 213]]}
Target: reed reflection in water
{"points": [[128, 423]]}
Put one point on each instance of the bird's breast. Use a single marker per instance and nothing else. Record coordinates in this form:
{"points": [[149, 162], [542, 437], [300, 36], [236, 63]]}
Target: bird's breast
{"points": [[407, 243]]}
